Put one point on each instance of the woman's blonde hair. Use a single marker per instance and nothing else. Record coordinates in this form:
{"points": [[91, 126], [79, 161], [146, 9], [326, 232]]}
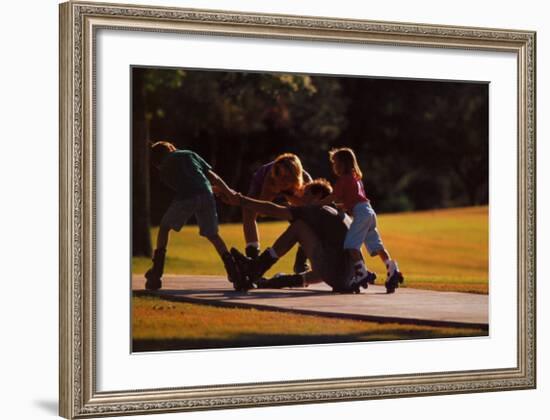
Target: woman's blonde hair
{"points": [[288, 163], [347, 161]]}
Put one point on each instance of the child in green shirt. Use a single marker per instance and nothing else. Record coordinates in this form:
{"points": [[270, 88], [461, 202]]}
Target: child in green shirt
{"points": [[192, 179]]}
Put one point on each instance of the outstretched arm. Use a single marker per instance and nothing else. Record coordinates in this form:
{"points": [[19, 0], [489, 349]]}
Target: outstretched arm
{"points": [[218, 184], [258, 206], [265, 207]]}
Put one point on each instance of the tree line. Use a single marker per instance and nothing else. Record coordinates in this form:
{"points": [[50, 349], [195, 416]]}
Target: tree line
{"points": [[420, 144]]}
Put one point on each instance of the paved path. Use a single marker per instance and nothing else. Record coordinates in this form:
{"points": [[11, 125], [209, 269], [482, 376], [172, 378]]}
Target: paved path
{"points": [[405, 305]]}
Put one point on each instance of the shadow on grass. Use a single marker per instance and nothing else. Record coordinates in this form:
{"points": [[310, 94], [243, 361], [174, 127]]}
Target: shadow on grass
{"points": [[213, 299], [264, 340], [256, 294]]}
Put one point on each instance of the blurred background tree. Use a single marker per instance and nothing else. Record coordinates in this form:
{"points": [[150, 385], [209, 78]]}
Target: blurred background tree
{"points": [[420, 144]]}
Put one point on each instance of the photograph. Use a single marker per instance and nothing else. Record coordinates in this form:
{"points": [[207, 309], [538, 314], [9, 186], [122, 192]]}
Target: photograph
{"points": [[281, 209]]}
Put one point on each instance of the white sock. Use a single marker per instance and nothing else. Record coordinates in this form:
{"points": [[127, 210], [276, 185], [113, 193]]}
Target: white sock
{"points": [[272, 253]]}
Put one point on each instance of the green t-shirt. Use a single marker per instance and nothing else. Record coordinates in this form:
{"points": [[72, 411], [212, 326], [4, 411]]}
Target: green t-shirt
{"points": [[185, 172]]}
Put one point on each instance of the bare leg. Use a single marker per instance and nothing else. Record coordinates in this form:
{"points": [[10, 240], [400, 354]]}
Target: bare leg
{"points": [[162, 237], [228, 262], [296, 232], [250, 226], [219, 244], [384, 256], [355, 255], [299, 232]]}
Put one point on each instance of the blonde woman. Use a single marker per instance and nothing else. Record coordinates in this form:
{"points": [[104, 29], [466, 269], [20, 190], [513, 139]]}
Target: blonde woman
{"points": [[284, 177]]}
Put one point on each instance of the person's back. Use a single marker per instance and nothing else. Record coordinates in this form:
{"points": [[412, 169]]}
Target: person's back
{"points": [[330, 224], [350, 191], [186, 173]]}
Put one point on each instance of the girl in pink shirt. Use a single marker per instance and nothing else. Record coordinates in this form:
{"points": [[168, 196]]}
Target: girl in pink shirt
{"points": [[350, 192]]}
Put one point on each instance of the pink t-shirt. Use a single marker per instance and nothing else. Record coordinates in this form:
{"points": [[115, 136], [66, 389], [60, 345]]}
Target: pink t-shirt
{"points": [[350, 191]]}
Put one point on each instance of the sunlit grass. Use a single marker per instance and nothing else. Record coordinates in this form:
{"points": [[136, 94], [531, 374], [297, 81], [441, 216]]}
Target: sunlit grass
{"points": [[439, 250], [166, 325]]}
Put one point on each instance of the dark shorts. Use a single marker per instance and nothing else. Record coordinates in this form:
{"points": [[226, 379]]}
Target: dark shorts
{"points": [[203, 207]]}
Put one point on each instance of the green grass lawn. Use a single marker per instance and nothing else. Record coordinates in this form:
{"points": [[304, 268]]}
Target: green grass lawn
{"points": [[159, 325], [439, 250]]}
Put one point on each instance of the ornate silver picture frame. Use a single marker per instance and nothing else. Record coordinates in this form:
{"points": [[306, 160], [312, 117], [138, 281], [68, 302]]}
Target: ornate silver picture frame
{"points": [[79, 394]]}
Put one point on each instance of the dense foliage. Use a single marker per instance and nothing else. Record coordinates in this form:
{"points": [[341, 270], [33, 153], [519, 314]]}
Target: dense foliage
{"points": [[420, 144]]}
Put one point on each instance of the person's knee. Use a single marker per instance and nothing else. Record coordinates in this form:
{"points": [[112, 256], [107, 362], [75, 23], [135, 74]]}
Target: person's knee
{"points": [[293, 229], [208, 228]]}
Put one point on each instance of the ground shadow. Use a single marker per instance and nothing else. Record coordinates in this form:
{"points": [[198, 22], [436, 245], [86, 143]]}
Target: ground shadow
{"points": [[254, 294], [224, 294]]}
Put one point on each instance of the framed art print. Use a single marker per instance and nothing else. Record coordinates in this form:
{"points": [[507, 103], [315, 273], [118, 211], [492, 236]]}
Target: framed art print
{"points": [[266, 209]]}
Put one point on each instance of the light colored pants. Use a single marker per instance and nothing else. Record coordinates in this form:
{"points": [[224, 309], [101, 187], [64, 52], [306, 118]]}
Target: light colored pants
{"points": [[363, 230]]}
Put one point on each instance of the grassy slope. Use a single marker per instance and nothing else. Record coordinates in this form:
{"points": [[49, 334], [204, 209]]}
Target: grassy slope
{"points": [[163, 325], [442, 249]]}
